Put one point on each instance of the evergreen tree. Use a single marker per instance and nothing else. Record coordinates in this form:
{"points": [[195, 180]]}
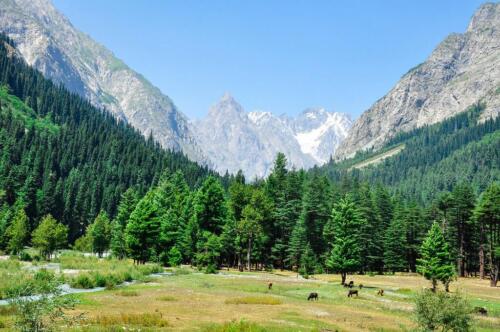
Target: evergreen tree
{"points": [[307, 262], [345, 223], [316, 211], [298, 242], [462, 208], [143, 229], [487, 215], [435, 263], [49, 236], [17, 232], [210, 209], [100, 233], [395, 244]]}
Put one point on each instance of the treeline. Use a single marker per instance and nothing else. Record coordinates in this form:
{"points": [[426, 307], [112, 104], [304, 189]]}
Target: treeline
{"points": [[61, 156], [434, 159], [296, 221]]}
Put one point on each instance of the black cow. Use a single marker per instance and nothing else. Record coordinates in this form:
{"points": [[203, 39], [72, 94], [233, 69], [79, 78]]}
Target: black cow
{"points": [[313, 296], [352, 293]]}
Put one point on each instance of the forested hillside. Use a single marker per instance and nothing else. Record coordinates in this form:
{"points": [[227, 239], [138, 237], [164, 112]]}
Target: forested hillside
{"points": [[73, 168], [62, 156], [435, 158]]}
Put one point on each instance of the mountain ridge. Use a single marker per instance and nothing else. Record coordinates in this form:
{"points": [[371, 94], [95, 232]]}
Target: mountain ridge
{"points": [[463, 69], [50, 43]]}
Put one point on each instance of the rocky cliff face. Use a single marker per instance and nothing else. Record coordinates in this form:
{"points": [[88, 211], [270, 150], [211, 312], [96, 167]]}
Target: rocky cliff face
{"points": [[464, 69], [235, 139], [48, 42]]}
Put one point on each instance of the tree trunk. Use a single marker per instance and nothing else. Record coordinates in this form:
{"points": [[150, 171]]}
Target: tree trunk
{"points": [[481, 250], [343, 275], [461, 255], [434, 285], [481, 261], [249, 253]]}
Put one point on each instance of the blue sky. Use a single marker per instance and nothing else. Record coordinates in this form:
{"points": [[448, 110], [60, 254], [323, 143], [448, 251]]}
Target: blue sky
{"points": [[278, 56]]}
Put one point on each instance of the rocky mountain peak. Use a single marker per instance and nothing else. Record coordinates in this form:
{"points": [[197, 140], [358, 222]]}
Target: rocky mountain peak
{"points": [[226, 109], [463, 69], [487, 17], [47, 41]]}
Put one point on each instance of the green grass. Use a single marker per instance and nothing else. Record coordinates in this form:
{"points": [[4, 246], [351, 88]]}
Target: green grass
{"points": [[95, 272], [268, 300], [24, 113]]}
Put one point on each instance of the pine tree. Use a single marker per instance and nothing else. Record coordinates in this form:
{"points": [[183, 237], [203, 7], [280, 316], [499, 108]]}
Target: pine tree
{"points": [[143, 229], [17, 232], [316, 211], [487, 215], [298, 242], [395, 244], [345, 224], [100, 233], [462, 208], [307, 262], [435, 263], [49, 236]]}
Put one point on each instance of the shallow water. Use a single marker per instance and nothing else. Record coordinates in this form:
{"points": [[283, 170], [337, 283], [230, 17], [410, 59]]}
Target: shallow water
{"points": [[66, 289]]}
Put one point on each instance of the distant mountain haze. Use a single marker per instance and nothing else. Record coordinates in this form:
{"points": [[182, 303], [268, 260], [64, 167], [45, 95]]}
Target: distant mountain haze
{"points": [[235, 139]]}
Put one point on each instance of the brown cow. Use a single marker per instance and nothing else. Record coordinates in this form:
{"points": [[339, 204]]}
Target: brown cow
{"points": [[270, 286], [380, 292]]}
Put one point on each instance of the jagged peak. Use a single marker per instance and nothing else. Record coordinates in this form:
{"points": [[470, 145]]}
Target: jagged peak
{"points": [[486, 17]]}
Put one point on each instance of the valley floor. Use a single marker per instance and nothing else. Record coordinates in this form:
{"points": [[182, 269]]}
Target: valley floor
{"points": [[190, 302], [186, 300]]}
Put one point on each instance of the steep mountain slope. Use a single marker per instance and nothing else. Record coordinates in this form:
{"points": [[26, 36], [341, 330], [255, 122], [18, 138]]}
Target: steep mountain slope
{"points": [[464, 69], [48, 42], [234, 139], [432, 158], [63, 156]]}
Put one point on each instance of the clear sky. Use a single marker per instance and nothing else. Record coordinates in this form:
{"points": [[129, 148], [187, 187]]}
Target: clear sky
{"points": [[277, 56]]}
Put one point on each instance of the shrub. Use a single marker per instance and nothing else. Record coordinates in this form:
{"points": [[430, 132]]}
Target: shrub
{"points": [[39, 313], [25, 256], [83, 281], [443, 312]]}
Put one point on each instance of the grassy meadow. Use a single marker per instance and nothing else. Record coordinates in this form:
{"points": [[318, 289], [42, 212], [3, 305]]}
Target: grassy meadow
{"points": [[188, 300]]}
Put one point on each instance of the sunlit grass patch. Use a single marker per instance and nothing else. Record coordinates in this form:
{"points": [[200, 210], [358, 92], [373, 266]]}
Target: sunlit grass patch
{"points": [[268, 300], [241, 326], [144, 319], [166, 298], [128, 293]]}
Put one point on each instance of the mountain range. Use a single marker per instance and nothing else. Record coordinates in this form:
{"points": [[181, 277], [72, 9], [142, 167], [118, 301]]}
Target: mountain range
{"points": [[236, 139], [463, 70]]}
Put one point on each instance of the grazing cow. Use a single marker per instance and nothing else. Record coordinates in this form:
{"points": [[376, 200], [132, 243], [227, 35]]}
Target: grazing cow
{"points": [[380, 292], [313, 296], [352, 292], [351, 284], [481, 311], [345, 285], [270, 286], [360, 286]]}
